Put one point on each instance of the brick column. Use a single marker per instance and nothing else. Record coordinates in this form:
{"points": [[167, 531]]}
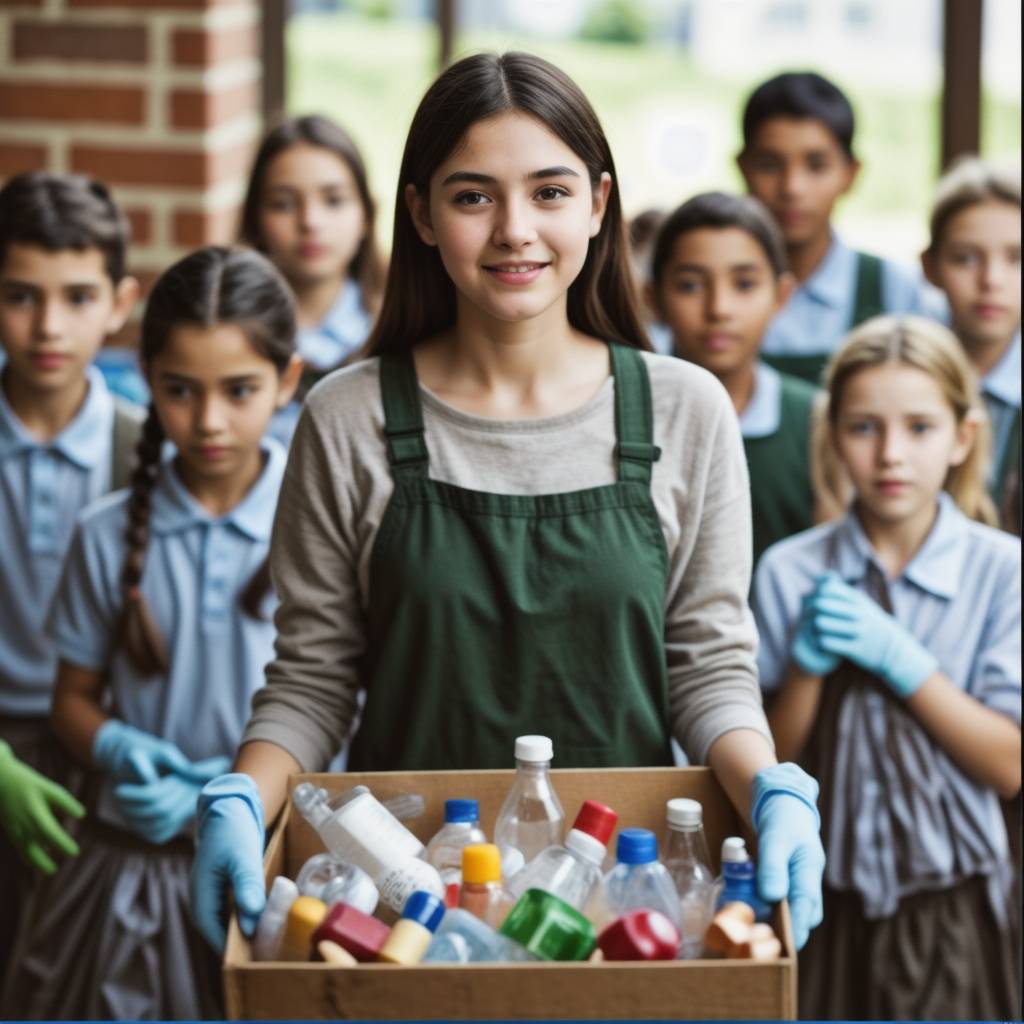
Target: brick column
{"points": [[160, 99]]}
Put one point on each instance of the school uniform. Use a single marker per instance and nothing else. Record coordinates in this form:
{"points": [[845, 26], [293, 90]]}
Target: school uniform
{"points": [[111, 934], [324, 348], [847, 288], [1000, 388], [918, 916], [480, 579], [776, 429]]}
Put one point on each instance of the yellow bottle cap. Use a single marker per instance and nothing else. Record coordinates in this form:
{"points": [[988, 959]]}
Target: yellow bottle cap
{"points": [[481, 863], [304, 918]]}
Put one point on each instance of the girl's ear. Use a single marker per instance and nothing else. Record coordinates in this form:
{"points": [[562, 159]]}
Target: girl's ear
{"points": [[419, 211], [783, 289], [966, 436], [601, 193], [126, 294], [289, 381]]}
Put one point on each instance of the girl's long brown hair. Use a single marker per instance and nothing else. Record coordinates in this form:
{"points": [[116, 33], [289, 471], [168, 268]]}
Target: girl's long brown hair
{"points": [[925, 345], [211, 286], [367, 267], [419, 297]]}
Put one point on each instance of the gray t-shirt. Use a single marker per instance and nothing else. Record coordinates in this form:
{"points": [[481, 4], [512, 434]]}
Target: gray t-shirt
{"points": [[337, 486]]}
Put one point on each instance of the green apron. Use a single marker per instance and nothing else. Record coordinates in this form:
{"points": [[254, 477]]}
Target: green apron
{"points": [[867, 302], [493, 616]]}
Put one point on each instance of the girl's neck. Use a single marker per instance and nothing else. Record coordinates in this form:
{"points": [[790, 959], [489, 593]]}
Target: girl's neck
{"points": [[896, 543], [740, 384], [805, 259], [219, 495], [314, 300], [44, 414]]}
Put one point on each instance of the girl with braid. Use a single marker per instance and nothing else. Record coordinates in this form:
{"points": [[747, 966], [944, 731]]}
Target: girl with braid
{"points": [[162, 625]]}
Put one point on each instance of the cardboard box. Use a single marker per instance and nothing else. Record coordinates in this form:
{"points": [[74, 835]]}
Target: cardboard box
{"points": [[702, 989]]}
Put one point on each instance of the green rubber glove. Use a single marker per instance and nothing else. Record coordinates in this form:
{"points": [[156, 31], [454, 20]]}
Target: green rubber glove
{"points": [[26, 813]]}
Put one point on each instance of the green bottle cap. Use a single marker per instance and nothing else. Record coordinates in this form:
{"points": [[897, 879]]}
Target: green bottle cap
{"points": [[549, 928]]}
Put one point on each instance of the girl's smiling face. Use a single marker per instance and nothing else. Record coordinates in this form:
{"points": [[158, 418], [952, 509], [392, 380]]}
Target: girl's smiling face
{"points": [[897, 435], [512, 211]]}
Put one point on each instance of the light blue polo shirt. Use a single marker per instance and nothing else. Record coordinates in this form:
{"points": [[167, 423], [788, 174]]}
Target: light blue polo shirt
{"points": [[763, 412], [1000, 388], [960, 596], [43, 487], [197, 565], [818, 313]]}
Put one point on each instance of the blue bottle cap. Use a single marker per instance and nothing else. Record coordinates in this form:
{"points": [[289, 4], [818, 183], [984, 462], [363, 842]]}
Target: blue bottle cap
{"points": [[461, 810], [424, 908], [636, 846]]}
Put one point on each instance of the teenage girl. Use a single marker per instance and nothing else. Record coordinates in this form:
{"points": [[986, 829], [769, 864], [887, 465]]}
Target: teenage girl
{"points": [[890, 640], [974, 257], [308, 207], [162, 628], [513, 517]]}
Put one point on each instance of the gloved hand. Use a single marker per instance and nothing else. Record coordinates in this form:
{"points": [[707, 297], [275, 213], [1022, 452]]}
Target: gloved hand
{"points": [[851, 625], [791, 860], [131, 755], [158, 811], [806, 650], [25, 811], [229, 856]]}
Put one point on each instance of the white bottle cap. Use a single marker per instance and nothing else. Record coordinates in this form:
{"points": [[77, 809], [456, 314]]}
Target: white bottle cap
{"points": [[585, 845], [534, 748], [734, 850], [683, 812]]}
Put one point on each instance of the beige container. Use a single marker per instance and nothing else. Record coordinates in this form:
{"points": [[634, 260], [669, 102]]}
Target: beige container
{"points": [[703, 989]]}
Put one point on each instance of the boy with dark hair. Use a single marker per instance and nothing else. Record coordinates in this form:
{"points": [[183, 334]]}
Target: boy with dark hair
{"points": [[798, 159], [718, 276], [64, 441]]}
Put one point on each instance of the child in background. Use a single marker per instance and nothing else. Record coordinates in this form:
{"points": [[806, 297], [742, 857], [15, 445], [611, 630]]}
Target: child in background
{"points": [[798, 159], [308, 207], [641, 232], [890, 641], [64, 441], [162, 628], [974, 257], [719, 275]]}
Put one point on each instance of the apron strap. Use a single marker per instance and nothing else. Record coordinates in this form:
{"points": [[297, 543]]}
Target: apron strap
{"points": [[634, 416], [403, 416]]}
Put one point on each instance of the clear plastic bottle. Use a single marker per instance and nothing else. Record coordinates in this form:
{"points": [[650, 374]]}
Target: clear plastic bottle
{"points": [[685, 854], [572, 869], [738, 881], [335, 881], [355, 827], [639, 881], [462, 938], [265, 943], [461, 828], [531, 818]]}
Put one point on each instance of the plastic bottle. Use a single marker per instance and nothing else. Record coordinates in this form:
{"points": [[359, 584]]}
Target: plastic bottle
{"points": [[640, 935], [461, 828], [481, 892], [413, 931], [265, 943], [334, 881], [571, 870], [462, 938], [688, 862], [549, 928], [304, 917], [357, 933], [531, 818], [639, 881], [355, 827], [738, 882]]}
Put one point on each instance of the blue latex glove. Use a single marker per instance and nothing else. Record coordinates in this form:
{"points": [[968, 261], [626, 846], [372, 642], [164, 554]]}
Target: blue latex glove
{"points": [[806, 650], [131, 755], [791, 860], [229, 856], [853, 626], [158, 811]]}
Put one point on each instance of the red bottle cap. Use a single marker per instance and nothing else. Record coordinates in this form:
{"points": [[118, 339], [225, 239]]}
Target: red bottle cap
{"points": [[353, 930], [596, 820], [640, 935]]}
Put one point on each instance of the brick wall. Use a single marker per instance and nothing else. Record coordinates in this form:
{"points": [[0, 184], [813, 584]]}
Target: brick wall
{"points": [[158, 98]]}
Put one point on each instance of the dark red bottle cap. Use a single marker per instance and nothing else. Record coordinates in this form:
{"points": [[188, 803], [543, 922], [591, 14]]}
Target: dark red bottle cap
{"points": [[640, 935], [596, 820], [353, 930]]}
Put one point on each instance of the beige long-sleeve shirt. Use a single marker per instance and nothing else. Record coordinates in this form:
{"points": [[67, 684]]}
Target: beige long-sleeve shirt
{"points": [[337, 486]]}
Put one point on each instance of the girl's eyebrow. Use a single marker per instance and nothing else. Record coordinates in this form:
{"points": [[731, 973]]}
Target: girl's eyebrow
{"points": [[172, 377], [701, 268], [475, 178]]}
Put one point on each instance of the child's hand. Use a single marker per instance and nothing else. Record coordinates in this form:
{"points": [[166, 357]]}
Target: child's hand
{"points": [[850, 625], [26, 815], [131, 755], [807, 651]]}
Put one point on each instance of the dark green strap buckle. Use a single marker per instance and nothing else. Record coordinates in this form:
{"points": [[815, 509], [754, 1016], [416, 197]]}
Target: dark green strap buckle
{"points": [[406, 446], [634, 451]]}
